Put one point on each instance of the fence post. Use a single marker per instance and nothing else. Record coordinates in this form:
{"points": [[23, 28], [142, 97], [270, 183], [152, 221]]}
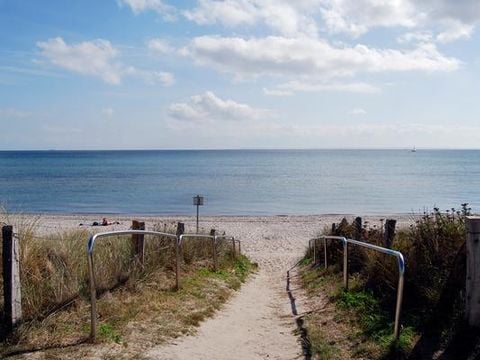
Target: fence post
{"points": [[138, 242], [11, 279], [389, 232], [472, 306], [358, 228], [180, 231], [214, 248]]}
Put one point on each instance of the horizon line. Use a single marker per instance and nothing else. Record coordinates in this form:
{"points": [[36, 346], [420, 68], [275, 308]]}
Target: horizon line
{"points": [[243, 149]]}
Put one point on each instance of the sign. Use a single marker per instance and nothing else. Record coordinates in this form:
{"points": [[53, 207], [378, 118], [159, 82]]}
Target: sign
{"points": [[198, 200]]}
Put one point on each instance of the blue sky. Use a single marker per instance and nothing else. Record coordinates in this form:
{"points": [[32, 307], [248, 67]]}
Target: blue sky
{"points": [[154, 74]]}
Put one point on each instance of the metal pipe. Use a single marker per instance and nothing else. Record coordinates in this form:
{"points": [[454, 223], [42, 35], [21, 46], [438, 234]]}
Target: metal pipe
{"points": [[325, 260], [93, 298], [204, 237], [398, 305], [93, 290], [228, 238], [345, 264], [401, 270]]}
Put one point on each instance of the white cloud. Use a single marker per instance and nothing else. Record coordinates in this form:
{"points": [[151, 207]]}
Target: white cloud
{"points": [[358, 112], [12, 113], [283, 17], [352, 17], [451, 20], [455, 30], [158, 6], [208, 108], [416, 36], [294, 86], [277, 92], [310, 57], [152, 77], [108, 112], [160, 45], [97, 58], [356, 17]]}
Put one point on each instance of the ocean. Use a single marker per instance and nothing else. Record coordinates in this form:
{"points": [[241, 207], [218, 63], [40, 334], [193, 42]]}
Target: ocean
{"points": [[239, 182]]}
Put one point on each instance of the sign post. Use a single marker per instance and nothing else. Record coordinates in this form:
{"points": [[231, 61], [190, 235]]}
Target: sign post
{"points": [[198, 201]]}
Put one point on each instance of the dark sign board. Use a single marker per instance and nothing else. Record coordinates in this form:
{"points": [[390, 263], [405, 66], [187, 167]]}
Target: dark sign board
{"points": [[198, 200]]}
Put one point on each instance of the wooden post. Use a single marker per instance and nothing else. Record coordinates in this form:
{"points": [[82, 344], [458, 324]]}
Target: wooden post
{"points": [[358, 228], [334, 229], [472, 306], [11, 279], [180, 228], [214, 249], [178, 254], [389, 232], [138, 242]]}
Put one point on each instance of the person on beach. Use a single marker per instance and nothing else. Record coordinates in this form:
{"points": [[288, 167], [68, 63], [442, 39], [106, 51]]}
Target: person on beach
{"points": [[104, 222]]}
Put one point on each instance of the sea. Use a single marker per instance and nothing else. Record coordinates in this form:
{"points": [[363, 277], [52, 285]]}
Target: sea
{"points": [[239, 182]]}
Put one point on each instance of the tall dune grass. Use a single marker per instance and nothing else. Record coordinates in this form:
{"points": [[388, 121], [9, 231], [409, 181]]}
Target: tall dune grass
{"points": [[54, 270]]}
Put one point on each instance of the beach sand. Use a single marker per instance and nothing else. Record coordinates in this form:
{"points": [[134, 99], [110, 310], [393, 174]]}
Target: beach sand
{"points": [[257, 322]]}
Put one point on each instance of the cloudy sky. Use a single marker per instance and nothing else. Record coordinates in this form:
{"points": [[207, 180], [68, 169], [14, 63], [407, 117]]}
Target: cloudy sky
{"points": [[154, 74]]}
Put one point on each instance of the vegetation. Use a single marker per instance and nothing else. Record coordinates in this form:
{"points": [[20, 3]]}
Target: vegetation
{"points": [[434, 249], [55, 288]]}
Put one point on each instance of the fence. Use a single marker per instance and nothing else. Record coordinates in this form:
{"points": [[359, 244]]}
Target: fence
{"points": [[345, 242], [11, 274]]}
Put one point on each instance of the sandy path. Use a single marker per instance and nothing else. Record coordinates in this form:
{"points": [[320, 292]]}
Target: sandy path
{"points": [[257, 323]]}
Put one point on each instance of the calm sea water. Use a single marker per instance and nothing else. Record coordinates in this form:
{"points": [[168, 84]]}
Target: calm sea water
{"points": [[248, 182]]}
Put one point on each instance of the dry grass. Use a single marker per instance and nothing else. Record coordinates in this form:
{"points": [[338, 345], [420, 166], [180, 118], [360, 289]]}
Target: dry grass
{"points": [[55, 288]]}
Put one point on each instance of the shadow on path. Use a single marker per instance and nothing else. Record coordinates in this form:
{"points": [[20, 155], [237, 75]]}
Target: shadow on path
{"points": [[306, 350]]}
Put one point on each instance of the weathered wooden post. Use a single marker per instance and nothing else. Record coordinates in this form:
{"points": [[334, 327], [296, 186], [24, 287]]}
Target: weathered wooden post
{"points": [[180, 231], [358, 228], [472, 306], [11, 279], [389, 233], [334, 229], [138, 242], [214, 248]]}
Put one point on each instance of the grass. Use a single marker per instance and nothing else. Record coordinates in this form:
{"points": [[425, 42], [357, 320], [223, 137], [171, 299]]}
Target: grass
{"points": [[434, 249], [359, 315], [55, 288]]}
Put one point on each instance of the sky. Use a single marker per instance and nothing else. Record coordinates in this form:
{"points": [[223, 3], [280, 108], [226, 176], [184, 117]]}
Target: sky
{"points": [[207, 74]]}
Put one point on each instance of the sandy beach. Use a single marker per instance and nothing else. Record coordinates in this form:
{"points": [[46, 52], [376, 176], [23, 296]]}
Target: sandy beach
{"points": [[256, 323]]}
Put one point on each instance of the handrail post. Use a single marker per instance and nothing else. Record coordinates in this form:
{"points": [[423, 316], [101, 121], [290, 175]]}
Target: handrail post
{"points": [[93, 302], [325, 252], [398, 305], [180, 231], [214, 249], [345, 264]]}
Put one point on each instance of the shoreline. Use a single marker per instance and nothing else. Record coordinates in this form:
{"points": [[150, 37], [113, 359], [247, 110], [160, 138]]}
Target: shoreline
{"points": [[236, 225]]}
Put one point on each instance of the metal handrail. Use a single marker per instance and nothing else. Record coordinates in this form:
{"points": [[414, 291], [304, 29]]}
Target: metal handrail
{"points": [[397, 254], [214, 244], [93, 290], [231, 238]]}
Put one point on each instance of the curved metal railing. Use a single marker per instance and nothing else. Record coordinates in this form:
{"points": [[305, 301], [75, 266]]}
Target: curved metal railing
{"points": [[93, 290], [178, 241], [397, 254]]}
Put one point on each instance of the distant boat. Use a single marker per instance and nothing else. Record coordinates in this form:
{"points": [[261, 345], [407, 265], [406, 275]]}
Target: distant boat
{"points": [[413, 150]]}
